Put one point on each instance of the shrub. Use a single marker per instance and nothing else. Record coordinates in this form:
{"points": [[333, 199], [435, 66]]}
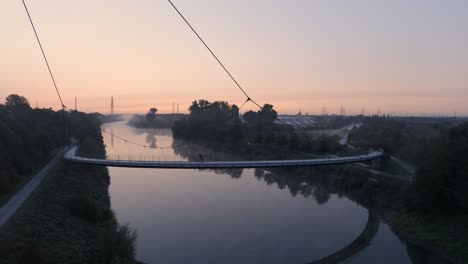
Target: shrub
{"points": [[86, 208], [117, 244]]}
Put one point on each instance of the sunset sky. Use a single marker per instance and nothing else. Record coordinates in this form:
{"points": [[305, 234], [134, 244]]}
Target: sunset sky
{"points": [[398, 56]]}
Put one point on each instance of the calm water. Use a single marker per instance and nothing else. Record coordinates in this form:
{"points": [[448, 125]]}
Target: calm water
{"points": [[238, 216]]}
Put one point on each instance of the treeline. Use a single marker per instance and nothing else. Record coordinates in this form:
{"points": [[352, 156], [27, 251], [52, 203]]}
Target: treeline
{"points": [[156, 121], [69, 218], [379, 132], [301, 142], [220, 123], [29, 136], [442, 177], [437, 149], [217, 121]]}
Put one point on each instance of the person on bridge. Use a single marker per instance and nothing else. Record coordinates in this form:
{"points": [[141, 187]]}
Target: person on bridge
{"points": [[201, 157]]}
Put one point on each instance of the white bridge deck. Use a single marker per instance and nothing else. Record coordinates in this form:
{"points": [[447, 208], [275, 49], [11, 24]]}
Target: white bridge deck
{"points": [[70, 155]]}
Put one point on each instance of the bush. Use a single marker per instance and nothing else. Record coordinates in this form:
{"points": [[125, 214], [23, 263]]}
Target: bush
{"points": [[87, 209], [21, 251], [281, 140], [442, 178], [117, 245]]}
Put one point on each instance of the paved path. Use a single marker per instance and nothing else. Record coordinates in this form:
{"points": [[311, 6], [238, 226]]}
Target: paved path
{"points": [[10, 207], [405, 165]]}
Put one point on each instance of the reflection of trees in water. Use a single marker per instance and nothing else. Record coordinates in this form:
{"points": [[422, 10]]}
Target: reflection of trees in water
{"points": [[151, 139], [151, 135], [321, 194], [344, 181], [234, 173], [153, 131], [193, 152], [320, 182]]}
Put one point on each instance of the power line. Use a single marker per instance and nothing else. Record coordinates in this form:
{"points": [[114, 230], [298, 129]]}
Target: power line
{"points": [[214, 55], [219, 61], [191, 27], [43, 54], [138, 144]]}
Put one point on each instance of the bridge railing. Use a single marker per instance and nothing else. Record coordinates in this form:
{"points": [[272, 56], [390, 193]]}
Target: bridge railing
{"points": [[137, 157], [178, 161]]}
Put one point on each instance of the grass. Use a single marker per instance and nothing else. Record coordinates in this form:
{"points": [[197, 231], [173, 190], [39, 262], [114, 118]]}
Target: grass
{"points": [[390, 166], [64, 221], [446, 234], [6, 196]]}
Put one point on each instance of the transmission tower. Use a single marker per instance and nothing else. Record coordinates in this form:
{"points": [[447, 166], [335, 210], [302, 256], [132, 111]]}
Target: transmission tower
{"points": [[112, 106], [342, 111]]}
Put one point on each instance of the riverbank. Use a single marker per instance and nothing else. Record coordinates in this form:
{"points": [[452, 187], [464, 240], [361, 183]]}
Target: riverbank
{"points": [[18, 197], [447, 235], [68, 219]]}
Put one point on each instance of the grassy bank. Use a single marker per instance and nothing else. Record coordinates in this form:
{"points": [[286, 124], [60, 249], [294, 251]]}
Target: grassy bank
{"points": [[68, 219], [447, 234], [5, 197]]}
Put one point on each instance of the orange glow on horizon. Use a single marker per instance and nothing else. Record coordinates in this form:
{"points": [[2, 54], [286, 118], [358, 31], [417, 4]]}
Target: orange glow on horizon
{"points": [[305, 57]]}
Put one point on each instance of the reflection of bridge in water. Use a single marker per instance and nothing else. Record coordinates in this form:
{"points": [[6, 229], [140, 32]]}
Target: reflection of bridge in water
{"points": [[354, 247], [358, 244], [305, 183], [372, 157]]}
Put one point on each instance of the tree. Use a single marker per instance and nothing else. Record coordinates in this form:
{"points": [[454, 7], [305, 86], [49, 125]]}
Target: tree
{"points": [[28, 137], [263, 118], [442, 178], [250, 117], [267, 115], [151, 115], [17, 102], [217, 121]]}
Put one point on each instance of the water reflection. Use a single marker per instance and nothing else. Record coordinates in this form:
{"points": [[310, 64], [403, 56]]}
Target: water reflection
{"points": [[194, 152], [151, 134], [321, 183], [264, 216]]}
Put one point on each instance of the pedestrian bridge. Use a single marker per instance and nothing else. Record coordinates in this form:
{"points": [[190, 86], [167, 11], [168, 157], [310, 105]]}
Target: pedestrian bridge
{"points": [[373, 157]]}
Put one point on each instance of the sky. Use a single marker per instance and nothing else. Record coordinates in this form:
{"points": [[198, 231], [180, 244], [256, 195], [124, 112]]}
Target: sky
{"points": [[396, 57]]}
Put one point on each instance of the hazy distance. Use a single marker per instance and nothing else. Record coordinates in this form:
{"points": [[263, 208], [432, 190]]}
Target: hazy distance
{"points": [[396, 56]]}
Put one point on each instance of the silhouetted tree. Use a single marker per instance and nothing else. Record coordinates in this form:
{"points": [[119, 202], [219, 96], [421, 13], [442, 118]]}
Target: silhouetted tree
{"points": [[263, 118], [216, 121], [442, 178], [17, 102], [151, 115], [28, 137]]}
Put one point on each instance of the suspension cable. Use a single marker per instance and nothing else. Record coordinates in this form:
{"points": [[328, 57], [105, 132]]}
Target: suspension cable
{"points": [[219, 61], [212, 53], [43, 54], [138, 144], [121, 138]]}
